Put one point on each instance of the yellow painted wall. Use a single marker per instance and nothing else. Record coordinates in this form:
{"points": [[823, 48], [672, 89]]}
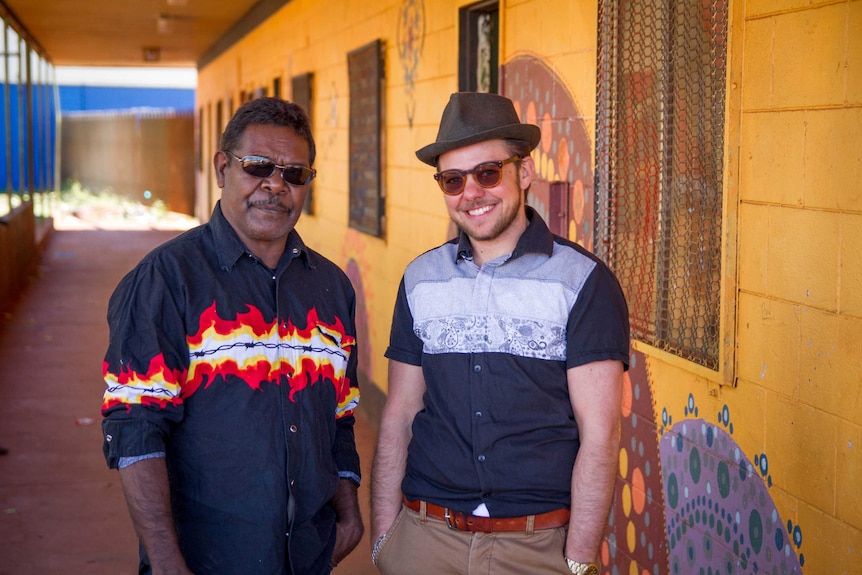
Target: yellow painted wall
{"points": [[792, 287], [800, 265]]}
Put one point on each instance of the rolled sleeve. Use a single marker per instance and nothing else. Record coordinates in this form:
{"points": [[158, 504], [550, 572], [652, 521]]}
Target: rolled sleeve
{"points": [[346, 456], [130, 438]]}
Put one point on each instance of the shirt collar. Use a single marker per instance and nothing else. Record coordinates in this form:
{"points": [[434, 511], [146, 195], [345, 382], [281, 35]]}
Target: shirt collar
{"points": [[537, 238], [230, 248]]}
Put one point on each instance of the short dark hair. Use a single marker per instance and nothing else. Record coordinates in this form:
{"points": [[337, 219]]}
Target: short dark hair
{"points": [[268, 112], [518, 148]]}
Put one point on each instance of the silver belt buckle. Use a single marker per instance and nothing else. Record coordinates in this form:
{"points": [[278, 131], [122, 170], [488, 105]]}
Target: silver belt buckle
{"points": [[448, 517]]}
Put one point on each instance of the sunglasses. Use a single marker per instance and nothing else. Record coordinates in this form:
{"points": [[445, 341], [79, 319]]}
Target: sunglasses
{"points": [[486, 174], [261, 167]]}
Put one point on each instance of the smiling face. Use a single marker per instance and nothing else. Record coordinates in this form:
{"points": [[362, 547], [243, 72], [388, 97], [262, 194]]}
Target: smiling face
{"points": [[493, 218], [263, 211]]}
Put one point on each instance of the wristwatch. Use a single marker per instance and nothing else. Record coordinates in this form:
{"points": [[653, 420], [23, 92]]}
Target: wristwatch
{"points": [[582, 568]]}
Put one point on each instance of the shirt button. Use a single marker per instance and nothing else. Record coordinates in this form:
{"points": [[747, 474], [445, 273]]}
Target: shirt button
{"points": [[295, 250], [477, 368], [293, 429], [481, 458], [478, 414]]}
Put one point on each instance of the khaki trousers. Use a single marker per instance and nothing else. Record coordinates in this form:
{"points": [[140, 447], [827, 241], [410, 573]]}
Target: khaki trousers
{"points": [[420, 545]]}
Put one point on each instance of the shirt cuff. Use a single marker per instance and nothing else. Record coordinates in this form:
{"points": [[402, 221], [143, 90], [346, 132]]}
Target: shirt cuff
{"points": [[126, 461], [349, 475]]}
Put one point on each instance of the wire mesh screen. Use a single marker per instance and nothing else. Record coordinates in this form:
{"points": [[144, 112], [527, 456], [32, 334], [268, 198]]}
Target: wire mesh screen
{"points": [[659, 162]]}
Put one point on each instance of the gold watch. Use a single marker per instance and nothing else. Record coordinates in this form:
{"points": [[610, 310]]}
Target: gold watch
{"points": [[582, 568]]}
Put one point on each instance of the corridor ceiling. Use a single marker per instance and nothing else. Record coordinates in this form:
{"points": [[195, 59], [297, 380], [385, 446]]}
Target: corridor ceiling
{"points": [[150, 33]]}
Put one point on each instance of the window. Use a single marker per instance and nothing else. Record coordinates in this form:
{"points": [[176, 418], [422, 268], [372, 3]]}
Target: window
{"points": [[659, 167], [478, 41], [365, 71]]}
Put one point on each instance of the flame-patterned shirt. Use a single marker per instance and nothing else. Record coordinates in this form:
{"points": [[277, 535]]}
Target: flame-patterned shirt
{"points": [[494, 344], [245, 378]]}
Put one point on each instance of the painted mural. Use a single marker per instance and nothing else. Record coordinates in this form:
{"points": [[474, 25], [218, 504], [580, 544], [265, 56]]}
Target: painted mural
{"points": [[410, 40], [356, 262], [563, 194], [688, 499], [720, 517], [635, 541]]}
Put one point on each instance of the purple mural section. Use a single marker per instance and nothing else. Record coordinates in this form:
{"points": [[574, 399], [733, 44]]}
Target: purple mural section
{"points": [[354, 272], [720, 517]]}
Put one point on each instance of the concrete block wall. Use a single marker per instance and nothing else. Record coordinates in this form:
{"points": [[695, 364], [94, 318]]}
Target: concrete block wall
{"points": [[800, 256]]}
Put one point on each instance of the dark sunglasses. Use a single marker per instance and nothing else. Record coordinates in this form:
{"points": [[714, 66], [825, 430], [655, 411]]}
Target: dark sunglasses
{"points": [[261, 167], [486, 174]]}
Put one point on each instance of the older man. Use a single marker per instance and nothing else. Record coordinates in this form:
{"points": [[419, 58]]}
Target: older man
{"points": [[231, 375]]}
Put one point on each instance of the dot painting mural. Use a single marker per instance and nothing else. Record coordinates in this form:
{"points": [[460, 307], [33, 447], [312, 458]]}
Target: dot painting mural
{"points": [[634, 539], [720, 517], [688, 500]]}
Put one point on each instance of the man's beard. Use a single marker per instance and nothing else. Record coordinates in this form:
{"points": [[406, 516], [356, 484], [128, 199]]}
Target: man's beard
{"points": [[502, 224]]}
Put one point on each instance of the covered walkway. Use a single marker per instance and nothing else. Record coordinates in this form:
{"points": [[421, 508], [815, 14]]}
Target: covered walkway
{"points": [[61, 509]]}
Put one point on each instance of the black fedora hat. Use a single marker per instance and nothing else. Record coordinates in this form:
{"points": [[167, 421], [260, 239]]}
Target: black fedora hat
{"points": [[472, 117]]}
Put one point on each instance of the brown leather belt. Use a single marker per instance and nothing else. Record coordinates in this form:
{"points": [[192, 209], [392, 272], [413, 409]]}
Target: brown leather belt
{"points": [[463, 522]]}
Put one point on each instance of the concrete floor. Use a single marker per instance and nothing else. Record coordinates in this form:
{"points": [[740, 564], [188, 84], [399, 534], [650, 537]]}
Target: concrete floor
{"points": [[61, 510]]}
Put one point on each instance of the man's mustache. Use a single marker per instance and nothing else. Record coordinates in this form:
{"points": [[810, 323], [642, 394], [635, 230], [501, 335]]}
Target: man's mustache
{"points": [[273, 201]]}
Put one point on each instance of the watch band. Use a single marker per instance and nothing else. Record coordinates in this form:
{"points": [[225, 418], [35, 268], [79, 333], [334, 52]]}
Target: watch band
{"points": [[578, 568], [376, 549]]}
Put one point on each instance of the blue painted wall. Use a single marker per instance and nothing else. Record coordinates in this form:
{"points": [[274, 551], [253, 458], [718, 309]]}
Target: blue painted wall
{"points": [[87, 98], [14, 176], [22, 140]]}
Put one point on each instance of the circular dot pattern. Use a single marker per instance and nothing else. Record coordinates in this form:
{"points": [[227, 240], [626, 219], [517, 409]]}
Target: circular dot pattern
{"points": [[720, 519]]}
